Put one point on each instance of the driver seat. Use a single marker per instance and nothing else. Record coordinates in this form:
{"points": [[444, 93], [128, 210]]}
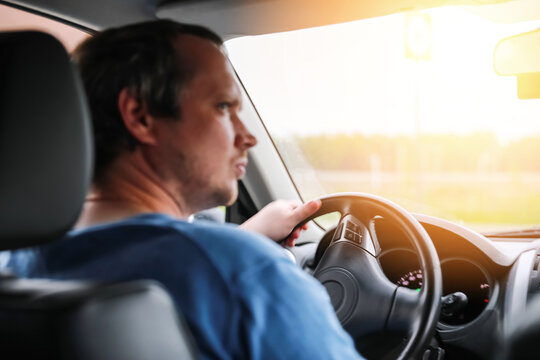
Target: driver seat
{"points": [[45, 167]]}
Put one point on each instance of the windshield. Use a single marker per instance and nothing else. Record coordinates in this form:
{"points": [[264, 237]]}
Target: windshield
{"points": [[406, 106]]}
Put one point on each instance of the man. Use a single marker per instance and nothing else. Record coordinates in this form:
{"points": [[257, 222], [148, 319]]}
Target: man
{"points": [[169, 143]]}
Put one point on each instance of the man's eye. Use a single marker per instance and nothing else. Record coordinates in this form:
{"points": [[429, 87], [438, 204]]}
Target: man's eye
{"points": [[223, 106]]}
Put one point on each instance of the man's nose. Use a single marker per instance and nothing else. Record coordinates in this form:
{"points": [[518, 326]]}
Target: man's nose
{"points": [[244, 139]]}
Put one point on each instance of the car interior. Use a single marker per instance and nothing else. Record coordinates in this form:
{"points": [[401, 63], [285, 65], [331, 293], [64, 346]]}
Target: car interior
{"points": [[428, 238]]}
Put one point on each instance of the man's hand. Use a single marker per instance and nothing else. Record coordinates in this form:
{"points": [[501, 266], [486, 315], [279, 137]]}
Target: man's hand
{"points": [[277, 219]]}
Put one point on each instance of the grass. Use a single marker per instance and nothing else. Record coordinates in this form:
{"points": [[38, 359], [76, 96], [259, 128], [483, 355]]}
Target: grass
{"points": [[481, 201]]}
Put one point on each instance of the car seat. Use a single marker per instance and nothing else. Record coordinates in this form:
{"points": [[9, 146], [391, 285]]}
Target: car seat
{"points": [[45, 170]]}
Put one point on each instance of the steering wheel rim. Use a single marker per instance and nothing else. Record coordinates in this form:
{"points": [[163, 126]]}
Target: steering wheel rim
{"points": [[419, 311]]}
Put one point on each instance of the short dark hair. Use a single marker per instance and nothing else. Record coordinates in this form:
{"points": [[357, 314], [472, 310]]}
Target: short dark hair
{"points": [[142, 58]]}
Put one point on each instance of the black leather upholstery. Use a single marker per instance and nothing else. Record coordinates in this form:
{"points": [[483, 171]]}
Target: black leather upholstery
{"points": [[45, 146], [45, 170], [42, 319]]}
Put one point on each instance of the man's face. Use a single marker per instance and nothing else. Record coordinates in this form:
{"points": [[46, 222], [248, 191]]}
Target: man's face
{"points": [[202, 155]]}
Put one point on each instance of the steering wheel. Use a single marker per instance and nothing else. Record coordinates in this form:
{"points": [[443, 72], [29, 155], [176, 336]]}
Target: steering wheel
{"points": [[365, 301]]}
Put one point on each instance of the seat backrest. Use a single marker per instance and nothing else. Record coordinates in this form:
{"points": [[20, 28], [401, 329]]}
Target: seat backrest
{"points": [[42, 319], [45, 171], [45, 140]]}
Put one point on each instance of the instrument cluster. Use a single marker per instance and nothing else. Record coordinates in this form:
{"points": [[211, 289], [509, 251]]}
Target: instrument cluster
{"points": [[466, 285]]}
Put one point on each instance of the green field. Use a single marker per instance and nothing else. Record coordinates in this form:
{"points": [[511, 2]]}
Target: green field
{"points": [[472, 179], [484, 202]]}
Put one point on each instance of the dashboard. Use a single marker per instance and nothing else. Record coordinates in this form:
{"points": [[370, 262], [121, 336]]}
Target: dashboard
{"points": [[469, 277], [466, 285], [476, 274], [486, 283]]}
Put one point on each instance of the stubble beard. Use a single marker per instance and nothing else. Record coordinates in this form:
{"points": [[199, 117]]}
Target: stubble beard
{"points": [[197, 190]]}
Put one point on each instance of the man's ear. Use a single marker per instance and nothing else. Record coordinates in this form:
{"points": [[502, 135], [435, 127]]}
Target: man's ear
{"points": [[135, 117]]}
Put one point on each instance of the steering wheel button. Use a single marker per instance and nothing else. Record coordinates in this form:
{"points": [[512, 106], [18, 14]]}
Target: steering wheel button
{"points": [[349, 235], [352, 226]]}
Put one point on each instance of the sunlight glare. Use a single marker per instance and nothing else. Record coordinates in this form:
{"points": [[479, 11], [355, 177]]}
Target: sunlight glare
{"points": [[359, 79]]}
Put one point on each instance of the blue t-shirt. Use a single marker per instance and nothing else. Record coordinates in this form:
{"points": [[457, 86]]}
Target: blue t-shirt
{"points": [[241, 296]]}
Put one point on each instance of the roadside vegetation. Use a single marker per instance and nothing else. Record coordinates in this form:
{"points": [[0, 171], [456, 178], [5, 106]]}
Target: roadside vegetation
{"points": [[472, 178]]}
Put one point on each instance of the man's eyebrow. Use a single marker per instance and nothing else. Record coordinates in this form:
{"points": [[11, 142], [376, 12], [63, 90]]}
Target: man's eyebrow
{"points": [[234, 97]]}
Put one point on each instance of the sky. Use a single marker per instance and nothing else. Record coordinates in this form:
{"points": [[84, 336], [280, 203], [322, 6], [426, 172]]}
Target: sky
{"points": [[356, 77]]}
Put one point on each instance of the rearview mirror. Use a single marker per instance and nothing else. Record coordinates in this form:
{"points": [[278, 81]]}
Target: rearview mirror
{"points": [[519, 55]]}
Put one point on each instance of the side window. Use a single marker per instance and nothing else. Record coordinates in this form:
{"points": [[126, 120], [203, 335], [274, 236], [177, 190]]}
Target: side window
{"points": [[12, 19]]}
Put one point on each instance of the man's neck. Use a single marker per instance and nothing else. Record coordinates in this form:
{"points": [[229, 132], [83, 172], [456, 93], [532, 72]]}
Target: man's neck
{"points": [[129, 188]]}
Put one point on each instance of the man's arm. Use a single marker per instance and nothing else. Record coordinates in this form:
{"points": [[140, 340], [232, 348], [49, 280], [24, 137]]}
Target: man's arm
{"points": [[288, 315], [278, 219]]}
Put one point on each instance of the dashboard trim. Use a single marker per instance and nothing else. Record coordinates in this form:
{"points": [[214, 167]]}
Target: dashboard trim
{"points": [[518, 287], [490, 248]]}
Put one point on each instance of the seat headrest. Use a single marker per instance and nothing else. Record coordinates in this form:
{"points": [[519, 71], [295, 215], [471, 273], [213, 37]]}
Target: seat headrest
{"points": [[45, 140]]}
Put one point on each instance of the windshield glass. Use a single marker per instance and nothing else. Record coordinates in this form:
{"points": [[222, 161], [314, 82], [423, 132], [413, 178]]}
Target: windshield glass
{"points": [[406, 106]]}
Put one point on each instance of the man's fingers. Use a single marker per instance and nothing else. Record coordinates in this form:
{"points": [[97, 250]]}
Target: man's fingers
{"points": [[291, 239], [307, 209], [295, 234], [289, 242], [299, 213]]}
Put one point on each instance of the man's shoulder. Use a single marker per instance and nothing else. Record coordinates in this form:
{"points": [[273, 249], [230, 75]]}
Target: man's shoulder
{"points": [[229, 245], [224, 245]]}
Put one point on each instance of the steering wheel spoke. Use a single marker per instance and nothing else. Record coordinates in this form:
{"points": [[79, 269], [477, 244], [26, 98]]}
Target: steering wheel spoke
{"points": [[405, 310], [360, 292], [352, 229]]}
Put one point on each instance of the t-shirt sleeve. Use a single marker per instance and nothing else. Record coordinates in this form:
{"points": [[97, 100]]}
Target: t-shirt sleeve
{"points": [[288, 315]]}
